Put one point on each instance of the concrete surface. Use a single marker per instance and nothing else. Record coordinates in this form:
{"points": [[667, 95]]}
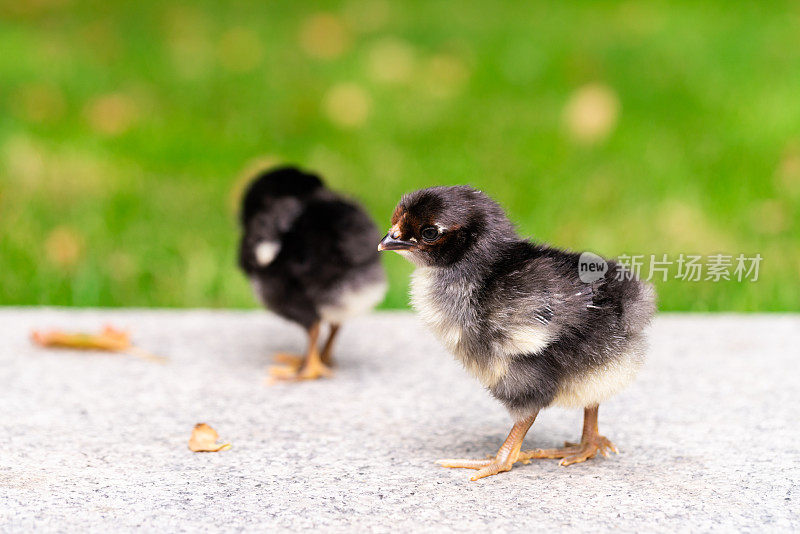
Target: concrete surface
{"points": [[709, 434]]}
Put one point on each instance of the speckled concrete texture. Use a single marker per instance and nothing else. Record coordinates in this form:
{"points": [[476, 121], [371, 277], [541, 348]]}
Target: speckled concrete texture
{"points": [[709, 434]]}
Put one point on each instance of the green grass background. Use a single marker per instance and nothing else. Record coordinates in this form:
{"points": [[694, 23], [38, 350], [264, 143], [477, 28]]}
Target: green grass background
{"points": [[127, 129]]}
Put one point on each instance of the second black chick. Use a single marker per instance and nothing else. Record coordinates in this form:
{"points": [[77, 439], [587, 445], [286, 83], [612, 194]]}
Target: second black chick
{"points": [[519, 317], [310, 256]]}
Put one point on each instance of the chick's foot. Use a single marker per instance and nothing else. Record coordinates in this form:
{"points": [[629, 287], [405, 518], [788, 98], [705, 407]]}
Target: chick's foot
{"points": [[572, 453], [296, 368], [313, 369], [310, 368], [504, 459]]}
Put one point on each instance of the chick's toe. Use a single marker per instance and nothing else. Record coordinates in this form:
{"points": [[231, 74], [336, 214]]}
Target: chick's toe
{"points": [[572, 453], [294, 361], [313, 368], [464, 463]]}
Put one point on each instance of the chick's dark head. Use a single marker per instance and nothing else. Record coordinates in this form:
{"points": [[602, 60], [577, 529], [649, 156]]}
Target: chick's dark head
{"points": [[438, 226], [277, 183]]}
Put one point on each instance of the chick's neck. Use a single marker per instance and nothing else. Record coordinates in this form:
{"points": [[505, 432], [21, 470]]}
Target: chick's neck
{"points": [[479, 257]]}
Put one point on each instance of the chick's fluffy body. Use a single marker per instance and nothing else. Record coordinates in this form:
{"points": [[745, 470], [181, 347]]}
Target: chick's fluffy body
{"points": [[309, 253], [516, 313]]}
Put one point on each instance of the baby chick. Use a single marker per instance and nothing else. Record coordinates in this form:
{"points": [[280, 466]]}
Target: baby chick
{"points": [[308, 253], [518, 316]]}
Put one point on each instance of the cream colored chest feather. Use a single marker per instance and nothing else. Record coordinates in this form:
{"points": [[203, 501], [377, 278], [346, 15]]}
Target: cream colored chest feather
{"points": [[441, 312], [445, 308], [435, 313]]}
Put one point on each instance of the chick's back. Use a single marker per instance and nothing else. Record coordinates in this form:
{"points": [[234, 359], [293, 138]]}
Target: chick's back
{"points": [[309, 253], [331, 242], [544, 286]]}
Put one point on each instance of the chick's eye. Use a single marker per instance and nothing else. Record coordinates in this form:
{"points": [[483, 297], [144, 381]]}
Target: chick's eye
{"points": [[430, 233]]}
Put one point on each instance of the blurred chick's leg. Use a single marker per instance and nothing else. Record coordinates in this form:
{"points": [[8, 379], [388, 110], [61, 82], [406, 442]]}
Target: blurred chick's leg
{"points": [[311, 367], [326, 356], [505, 457], [572, 453]]}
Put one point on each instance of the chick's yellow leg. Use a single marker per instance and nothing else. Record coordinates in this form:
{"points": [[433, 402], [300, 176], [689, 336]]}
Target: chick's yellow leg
{"points": [[327, 349], [308, 368], [505, 457], [313, 367], [591, 444]]}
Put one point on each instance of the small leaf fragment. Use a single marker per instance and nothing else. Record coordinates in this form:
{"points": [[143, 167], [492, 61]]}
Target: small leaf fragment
{"points": [[204, 439], [109, 339]]}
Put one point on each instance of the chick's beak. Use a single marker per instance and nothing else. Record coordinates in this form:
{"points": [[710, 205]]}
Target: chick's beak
{"points": [[391, 243]]}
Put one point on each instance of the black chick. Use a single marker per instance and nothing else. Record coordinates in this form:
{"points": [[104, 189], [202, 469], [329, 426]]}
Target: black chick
{"points": [[519, 317], [310, 256]]}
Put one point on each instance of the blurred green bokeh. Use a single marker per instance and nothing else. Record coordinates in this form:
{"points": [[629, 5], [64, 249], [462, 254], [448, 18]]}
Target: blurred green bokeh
{"points": [[128, 129]]}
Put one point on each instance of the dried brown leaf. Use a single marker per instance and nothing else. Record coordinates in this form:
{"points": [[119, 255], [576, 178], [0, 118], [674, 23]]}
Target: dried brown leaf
{"points": [[204, 439], [109, 339]]}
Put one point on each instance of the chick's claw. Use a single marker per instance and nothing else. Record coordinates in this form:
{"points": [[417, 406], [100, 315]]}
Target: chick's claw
{"points": [[492, 469]]}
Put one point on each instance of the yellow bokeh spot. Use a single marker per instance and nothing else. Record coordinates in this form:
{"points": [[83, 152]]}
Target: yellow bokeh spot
{"points": [[591, 113], [64, 247], [121, 266], [390, 60], [769, 217], [189, 45], [444, 75], [24, 159], [787, 177], [347, 105], [324, 36], [686, 228], [112, 114]]}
